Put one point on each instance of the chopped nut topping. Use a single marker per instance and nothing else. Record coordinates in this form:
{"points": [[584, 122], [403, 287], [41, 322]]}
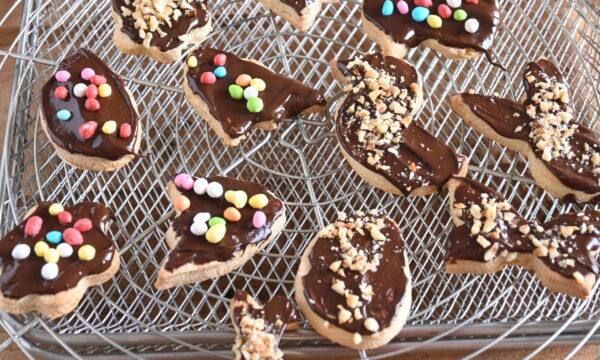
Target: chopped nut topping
{"points": [[371, 324], [578, 277], [356, 339]]}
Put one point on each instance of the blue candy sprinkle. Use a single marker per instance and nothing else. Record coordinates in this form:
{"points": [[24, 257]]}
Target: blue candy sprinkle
{"points": [[388, 8], [420, 13], [54, 237], [63, 115], [220, 72]]}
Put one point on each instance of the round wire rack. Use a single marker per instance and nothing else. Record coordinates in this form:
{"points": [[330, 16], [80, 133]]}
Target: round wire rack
{"points": [[129, 318]]}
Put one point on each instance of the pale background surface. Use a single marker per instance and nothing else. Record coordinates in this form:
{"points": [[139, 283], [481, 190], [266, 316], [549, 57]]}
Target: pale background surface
{"points": [[9, 31]]}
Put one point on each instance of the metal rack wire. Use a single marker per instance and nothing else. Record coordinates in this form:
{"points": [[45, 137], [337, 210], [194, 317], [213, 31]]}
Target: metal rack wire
{"points": [[128, 318]]}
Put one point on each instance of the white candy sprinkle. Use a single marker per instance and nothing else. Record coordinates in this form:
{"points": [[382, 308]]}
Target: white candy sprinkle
{"points": [[200, 186], [454, 3], [79, 89], [199, 228], [214, 190], [50, 271], [250, 92], [472, 25], [21, 251], [202, 217], [65, 250]]}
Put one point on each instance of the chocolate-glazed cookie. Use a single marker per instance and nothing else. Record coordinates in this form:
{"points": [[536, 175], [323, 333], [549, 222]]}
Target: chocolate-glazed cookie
{"points": [[376, 131], [460, 33], [353, 283], [89, 115], [235, 95], [300, 13], [221, 223], [259, 328], [50, 259], [490, 234], [563, 154]]}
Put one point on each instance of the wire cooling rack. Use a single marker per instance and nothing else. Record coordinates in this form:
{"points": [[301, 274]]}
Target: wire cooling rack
{"points": [[128, 318]]}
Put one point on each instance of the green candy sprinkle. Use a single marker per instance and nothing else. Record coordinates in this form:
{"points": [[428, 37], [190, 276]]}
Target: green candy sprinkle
{"points": [[255, 105], [236, 91], [460, 15], [216, 220]]}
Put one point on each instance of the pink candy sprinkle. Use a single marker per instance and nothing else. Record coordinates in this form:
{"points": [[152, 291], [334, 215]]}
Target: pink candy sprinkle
{"points": [[259, 219], [208, 78], [92, 104], [473, 1], [184, 181], [72, 236], [33, 225], [91, 91], [220, 59], [83, 225], [125, 131], [61, 92], [98, 80], [88, 129], [62, 76], [402, 7], [87, 73], [65, 217], [444, 11], [423, 3]]}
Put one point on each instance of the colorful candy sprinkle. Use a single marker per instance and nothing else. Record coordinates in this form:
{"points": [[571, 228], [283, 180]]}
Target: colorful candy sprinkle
{"points": [[220, 59], [51, 256], [388, 8], [64, 217], [215, 220], [232, 214], [200, 186], [202, 217], [192, 61], [63, 115], [86, 252], [220, 72], [62, 76], [255, 105], [250, 92], [229, 196], [454, 3], [73, 236], [434, 21], [402, 7], [88, 129], [40, 248], [236, 91], [98, 80], [65, 250], [104, 90], [472, 25], [54, 237], [243, 80], [61, 92], [259, 219], [216, 233], [423, 3], [87, 73], [181, 203], [21, 251], [199, 228], [258, 83], [49, 271], [208, 78], [125, 131], [55, 209], [258, 201], [33, 225], [214, 190], [420, 13], [92, 104], [473, 1], [184, 181], [460, 15], [109, 127], [444, 11], [237, 198], [83, 225], [91, 91], [79, 89]]}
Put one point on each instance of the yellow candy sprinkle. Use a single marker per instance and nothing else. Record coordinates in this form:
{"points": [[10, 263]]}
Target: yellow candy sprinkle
{"points": [[259, 84], [40, 248], [216, 233], [258, 201], [55, 209], [86, 252], [241, 198], [434, 21], [104, 90], [51, 255], [229, 196], [109, 127], [192, 61]]}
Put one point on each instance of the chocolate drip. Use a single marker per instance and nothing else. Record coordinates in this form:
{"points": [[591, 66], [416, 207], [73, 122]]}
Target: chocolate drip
{"points": [[283, 97], [117, 107], [278, 313], [389, 281], [23, 277], [435, 161], [404, 30], [462, 245], [182, 26], [195, 249], [298, 5]]}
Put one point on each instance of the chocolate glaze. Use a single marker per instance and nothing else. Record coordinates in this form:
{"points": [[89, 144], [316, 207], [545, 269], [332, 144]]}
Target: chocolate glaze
{"points": [[195, 249], [117, 107], [298, 5], [498, 114], [23, 277], [283, 97], [182, 26], [436, 161], [461, 245], [389, 281], [278, 313], [404, 30]]}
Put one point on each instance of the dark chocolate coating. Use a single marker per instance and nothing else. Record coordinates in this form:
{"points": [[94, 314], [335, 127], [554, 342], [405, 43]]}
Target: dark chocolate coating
{"points": [[23, 277], [278, 313], [298, 5], [118, 107]]}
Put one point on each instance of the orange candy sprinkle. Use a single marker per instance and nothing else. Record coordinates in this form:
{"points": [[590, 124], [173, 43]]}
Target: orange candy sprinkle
{"points": [[232, 214], [181, 203], [243, 80]]}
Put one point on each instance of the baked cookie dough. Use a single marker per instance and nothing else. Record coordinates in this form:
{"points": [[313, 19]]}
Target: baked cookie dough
{"points": [[300, 13]]}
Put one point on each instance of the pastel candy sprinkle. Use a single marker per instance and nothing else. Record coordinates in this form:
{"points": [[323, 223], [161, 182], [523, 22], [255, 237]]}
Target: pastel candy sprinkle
{"points": [[125, 131], [64, 217], [220, 59], [79, 89], [472, 25], [92, 104], [83, 225], [86, 252], [65, 250], [62, 76], [232, 214], [220, 72], [250, 92], [63, 115], [460, 15], [91, 91], [55, 209], [201, 217], [420, 13], [444, 11], [258, 201], [237, 198], [236, 91], [33, 225], [109, 127], [87, 73], [388, 8], [216, 233], [424, 3], [192, 61], [21, 251], [51, 256], [40, 248], [255, 105], [473, 1], [434, 21], [215, 220], [181, 203], [259, 219], [200, 186], [184, 181], [88, 129], [49, 271], [243, 80], [258, 83], [98, 80], [214, 190], [61, 92], [208, 78], [54, 237], [104, 90], [73, 236], [402, 7], [454, 3], [199, 228]]}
